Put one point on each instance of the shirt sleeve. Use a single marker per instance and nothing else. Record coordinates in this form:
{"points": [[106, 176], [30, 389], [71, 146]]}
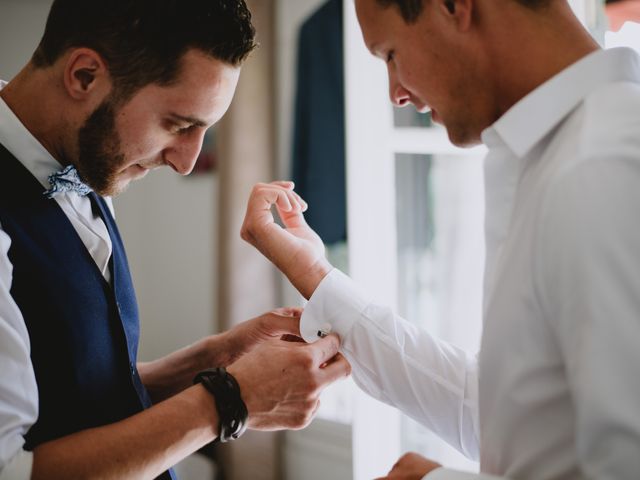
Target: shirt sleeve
{"points": [[588, 279], [447, 474], [392, 360], [18, 390]]}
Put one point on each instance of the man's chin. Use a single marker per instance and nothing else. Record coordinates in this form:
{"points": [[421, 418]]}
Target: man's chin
{"points": [[462, 136], [122, 181], [113, 188]]}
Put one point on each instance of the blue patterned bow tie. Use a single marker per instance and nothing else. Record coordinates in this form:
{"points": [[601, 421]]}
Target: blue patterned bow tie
{"points": [[67, 180]]}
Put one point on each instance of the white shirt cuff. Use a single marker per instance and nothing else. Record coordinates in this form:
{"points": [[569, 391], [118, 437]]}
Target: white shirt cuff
{"points": [[333, 308], [19, 467]]}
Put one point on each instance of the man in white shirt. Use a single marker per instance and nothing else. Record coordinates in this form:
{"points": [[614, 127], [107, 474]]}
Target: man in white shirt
{"points": [[117, 88], [553, 392]]}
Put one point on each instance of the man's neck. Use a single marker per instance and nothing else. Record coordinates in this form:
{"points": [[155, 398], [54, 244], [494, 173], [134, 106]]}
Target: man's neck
{"points": [[534, 48], [33, 102]]}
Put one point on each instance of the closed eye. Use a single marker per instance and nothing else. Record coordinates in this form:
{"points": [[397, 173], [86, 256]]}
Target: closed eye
{"points": [[182, 125], [180, 128], [185, 130]]}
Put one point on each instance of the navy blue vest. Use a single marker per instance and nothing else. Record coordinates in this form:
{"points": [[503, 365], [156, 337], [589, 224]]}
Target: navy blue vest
{"points": [[83, 333]]}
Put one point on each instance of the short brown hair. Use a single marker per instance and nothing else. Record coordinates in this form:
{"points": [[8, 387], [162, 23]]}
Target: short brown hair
{"points": [[143, 41]]}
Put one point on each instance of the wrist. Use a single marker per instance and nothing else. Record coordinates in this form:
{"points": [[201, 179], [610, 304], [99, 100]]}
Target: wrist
{"points": [[199, 402], [307, 282], [217, 350], [232, 411]]}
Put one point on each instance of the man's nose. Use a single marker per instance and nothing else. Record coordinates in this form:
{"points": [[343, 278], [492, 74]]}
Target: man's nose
{"points": [[397, 93], [183, 154]]}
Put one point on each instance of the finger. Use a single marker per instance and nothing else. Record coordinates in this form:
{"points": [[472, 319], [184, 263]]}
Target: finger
{"points": [[335, 370], [305, 205], [293, 218], [264, 196], [325, 348], [283, 201], [333, 359], [289, 311], [294, 199], [289, 185], [292, 338], [283, 324]]}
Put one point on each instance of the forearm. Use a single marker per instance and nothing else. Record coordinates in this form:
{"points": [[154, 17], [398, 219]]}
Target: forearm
{"points": [[140, 447], [170, 375], [308, 280], [431, 381]]}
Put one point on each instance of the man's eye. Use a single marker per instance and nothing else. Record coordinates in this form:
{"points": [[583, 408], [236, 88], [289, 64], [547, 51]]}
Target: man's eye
{"points": [[182, 129], [390, 55]]}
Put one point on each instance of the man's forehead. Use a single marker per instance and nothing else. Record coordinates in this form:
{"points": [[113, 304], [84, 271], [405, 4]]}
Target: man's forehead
{"points": [[376, 23], [368, 11]]}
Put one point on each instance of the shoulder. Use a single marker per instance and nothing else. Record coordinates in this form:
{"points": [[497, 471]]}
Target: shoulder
{"points": [[611, 122], [591, 196], [597, 164], [588, 216]]}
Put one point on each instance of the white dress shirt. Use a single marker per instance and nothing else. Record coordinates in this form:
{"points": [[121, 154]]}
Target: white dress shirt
{"points": [[18, 389], [555, 391]]}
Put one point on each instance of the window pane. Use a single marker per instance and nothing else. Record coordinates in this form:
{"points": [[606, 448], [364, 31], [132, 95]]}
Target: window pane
{"points": [[408, 116], [440, 215]]}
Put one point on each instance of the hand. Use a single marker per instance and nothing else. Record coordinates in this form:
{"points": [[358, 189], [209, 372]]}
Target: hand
{"points": [[281, 381], [411, 466], [171, 374], [241, 339], [295, 249]]}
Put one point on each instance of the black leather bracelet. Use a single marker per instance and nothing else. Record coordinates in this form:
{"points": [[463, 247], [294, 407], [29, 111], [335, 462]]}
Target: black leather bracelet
{"points": [[232, 412]]}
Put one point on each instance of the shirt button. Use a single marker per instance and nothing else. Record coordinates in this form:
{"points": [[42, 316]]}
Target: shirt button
{"points": [[133, 369]]}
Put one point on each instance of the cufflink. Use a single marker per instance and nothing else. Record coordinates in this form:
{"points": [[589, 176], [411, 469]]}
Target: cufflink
{"points": [[325, 329]]}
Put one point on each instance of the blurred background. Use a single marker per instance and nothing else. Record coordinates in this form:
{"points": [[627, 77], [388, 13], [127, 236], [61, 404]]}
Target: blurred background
{"points": [[312, 106]]}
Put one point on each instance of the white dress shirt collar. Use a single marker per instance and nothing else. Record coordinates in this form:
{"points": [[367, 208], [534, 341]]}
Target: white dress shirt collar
{"points": [[523, 126], [23, 145]]}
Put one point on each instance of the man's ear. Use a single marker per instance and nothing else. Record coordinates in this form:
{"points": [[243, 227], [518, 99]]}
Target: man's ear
{"points": [[86, 74], [461, 11]]}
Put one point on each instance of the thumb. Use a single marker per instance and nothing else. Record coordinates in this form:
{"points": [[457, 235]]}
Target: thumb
{"points": [[326, 348], [283, 324], [289, 311], [291, 218]]}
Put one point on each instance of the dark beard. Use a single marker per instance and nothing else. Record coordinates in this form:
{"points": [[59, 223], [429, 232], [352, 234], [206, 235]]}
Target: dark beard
{"points": [[99, 156]]}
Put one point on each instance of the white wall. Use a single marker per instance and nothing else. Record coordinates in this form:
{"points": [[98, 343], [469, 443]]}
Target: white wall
{"points": [[21, 26], [168, 225]]}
